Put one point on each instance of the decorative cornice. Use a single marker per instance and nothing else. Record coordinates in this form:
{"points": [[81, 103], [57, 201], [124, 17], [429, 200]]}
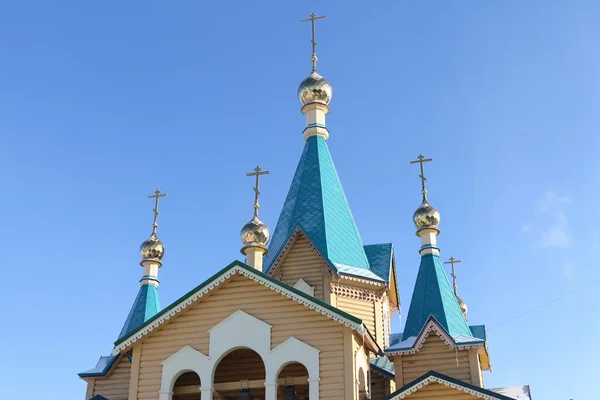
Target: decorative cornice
{"points": [[356, 293], [435, 379], [278, 274], [434, 326], [363, 280], [217, 281]]}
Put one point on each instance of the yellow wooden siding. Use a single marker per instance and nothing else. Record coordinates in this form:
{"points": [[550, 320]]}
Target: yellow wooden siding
{"points": [[436, 355], [116, 386], [287, 318], [377, 386], [301, 262], [363, 309], [437, 391]]}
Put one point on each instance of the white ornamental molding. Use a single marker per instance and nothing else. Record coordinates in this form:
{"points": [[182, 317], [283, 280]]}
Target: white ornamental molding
{"points": [[144, 330], [435, 379], [433, 326], [363, 280], [356, 293]]}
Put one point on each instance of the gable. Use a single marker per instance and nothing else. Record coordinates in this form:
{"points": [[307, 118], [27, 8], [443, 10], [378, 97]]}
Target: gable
{"points": [[238, 298], [439, 391], [217, 281], [436, 355], [302, 262]]}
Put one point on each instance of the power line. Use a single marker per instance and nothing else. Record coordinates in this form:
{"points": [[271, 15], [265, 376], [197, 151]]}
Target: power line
{"points": [[545, 304]]}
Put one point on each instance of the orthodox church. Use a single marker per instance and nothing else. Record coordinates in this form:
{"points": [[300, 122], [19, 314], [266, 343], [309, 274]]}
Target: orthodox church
{"points": [[307, 314]]}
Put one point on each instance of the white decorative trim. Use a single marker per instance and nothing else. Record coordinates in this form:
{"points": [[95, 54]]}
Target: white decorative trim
{"points": [[356, 293], [304, 287], [362, 364], [434, 379], [434, 326], [144, 330], [241, 330], [363, 280]]}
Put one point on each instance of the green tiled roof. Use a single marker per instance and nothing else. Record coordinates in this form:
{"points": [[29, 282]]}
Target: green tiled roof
{"points": [[433, 296], [145, 306], [380, 259], [316, 202]]}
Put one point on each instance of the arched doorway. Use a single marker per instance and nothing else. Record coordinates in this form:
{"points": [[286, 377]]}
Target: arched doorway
{"points": [[242, 368], [187, 387], [294, 376]]}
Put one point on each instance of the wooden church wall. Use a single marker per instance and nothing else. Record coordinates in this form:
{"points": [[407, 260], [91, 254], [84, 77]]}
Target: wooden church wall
{"points": [[286, 317], [116, 386], [302, 262], [435, 355], [442, 392], [363, 309]]}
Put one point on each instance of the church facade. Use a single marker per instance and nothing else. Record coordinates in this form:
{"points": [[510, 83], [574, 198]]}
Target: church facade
{"points": [[307, 314]]}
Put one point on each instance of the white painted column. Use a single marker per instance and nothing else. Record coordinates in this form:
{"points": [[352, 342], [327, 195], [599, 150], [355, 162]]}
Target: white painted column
{"points": [[254, 257], [429, 241], [150, 272], [315, 120], [165, 395], [206, 392], [313, 389], [270, 390]]}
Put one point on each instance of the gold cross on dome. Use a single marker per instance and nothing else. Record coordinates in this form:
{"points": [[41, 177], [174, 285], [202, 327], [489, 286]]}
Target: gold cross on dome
{"points": [[157, 195], [312, 19], [422, 160], [453, 275], [257, 173]]}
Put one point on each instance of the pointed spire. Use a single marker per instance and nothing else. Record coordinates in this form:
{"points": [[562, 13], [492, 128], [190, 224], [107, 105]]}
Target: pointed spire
{"points": [[461, 303]]}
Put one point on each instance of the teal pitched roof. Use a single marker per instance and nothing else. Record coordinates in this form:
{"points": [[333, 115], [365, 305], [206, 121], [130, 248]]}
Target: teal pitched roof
{"points": [[445, 378], [433, 297], [380, 259], [145, 306], [316, 202], [383, 365]]}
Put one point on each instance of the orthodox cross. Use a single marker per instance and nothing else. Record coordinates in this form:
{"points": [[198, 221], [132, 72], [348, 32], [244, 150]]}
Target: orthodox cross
{"points": [[422, 160], [257, 173], [157, 195], [312, 19], [453, 275]]}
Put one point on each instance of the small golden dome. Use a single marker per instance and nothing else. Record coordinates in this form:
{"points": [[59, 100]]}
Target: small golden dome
{"points": [[426, 216], [255, 233], [315, 88], [152, 248], [463, 306]]}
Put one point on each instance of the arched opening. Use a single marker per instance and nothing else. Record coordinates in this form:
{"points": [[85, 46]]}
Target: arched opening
{"points": [[293, 379], [241, 369], [362, 385], [187, 387]]}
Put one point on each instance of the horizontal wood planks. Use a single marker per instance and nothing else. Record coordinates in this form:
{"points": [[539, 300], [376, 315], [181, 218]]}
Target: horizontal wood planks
{"points": [[286, 316], [116, 386], [301, 262]]}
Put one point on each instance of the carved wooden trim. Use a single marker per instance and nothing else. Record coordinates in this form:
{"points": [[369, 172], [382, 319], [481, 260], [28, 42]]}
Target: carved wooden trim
{"points": [[356, 293]]}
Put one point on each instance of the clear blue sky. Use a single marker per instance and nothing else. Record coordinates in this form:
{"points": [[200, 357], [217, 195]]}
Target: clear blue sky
{"points": [[103, 102]]}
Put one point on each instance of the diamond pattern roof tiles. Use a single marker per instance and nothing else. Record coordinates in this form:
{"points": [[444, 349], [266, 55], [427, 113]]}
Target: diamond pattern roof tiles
{"points": [[433, 296], [316, 202], [380, 259], [145, 306]]}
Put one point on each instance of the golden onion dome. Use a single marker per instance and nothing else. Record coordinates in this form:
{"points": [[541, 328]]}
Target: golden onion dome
{"points": [[463, 306], [315, 88], [255, 233], [426, 216], [152, 248]]}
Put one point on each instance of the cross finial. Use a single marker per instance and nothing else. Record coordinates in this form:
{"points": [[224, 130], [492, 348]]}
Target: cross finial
{"points": [[312, 19], [257, 172], [157, 195], [422, 160], [453, 274]]}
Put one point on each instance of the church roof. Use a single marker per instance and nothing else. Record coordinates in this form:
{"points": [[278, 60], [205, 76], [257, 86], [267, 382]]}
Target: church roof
{"points": [[316, 202], [433, 297], [436, 377], [383, 365], [380, 259], [145, 306], [216, 280]]}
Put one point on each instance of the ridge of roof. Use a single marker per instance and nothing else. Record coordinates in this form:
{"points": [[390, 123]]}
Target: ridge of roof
{"points": [[216, 280], [433, 296], [145, 306], [436, 377], [316, 201]]}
